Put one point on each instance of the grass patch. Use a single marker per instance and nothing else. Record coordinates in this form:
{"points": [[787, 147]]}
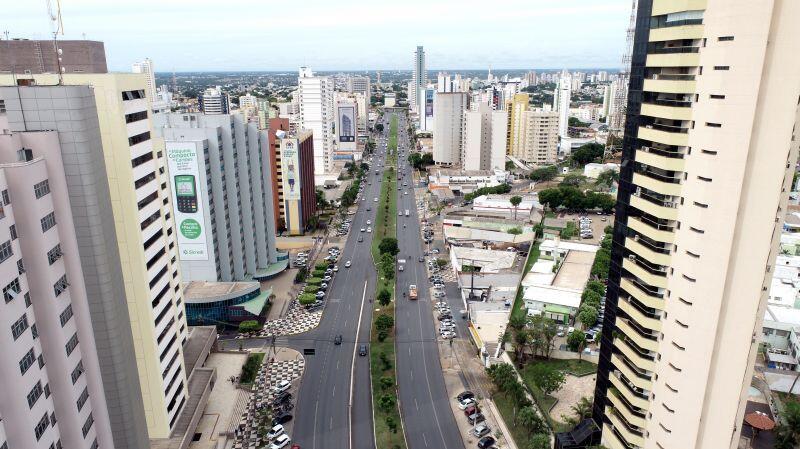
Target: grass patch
{"points": [[574, 366], [382, 353], [506, 408], [251, 367], [533, 256]]}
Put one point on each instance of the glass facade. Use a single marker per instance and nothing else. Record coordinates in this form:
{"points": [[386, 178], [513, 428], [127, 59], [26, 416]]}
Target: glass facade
{"points": [[226, 313]]}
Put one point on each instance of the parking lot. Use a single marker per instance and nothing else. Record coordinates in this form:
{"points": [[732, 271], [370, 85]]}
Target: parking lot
{"points": [[597, 225]]}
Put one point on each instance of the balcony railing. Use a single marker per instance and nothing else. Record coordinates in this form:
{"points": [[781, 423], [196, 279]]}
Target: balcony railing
{"points": [[667, 128], [655, 224], [671, 77], [670, 103], [662, 152], [644, 241], [657, 201], [638, 392], [655, 292], [667, 50], [653, 174]]}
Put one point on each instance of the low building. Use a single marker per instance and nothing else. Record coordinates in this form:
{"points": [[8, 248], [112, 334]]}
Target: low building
{"points": [[224, 304], [559, 304], [779, 334], [594, 170], [502, 204], [465, 181], [785, 286]]}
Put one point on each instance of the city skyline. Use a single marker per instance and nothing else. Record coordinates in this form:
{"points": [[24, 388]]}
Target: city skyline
{"points": [[531, 35]]}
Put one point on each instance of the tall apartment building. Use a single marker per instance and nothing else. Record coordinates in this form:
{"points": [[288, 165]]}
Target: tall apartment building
{"points": [[133, 174], [51, 394], [515, 137], [561, 102], [295, 180], [41, 56], [316, 102], [419, 79], [213, 101], [708, 158], [218, 167], [359, 85], [248, 101], [146, 67], [448, 122], [484, 139], [540, 140]]}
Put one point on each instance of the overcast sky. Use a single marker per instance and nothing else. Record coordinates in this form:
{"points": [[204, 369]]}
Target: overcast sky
{"points": [[222, 35]]}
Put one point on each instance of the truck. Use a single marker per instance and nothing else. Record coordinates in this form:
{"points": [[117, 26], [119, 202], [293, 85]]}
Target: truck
{"points": [[412, 291], [406, 212]]}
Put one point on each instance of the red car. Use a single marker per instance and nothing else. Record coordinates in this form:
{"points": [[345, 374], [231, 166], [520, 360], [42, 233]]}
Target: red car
{"points": [[295, 446]]}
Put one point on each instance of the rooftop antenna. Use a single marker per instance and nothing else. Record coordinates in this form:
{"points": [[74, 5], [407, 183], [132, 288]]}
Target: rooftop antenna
{"points": [[56, 27]]}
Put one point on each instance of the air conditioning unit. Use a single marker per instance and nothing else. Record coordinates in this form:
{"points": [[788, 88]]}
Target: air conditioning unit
{"points": [[632, 257]]}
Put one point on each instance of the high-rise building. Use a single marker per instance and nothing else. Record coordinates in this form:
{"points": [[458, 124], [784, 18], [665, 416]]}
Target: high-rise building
{"points": [[359, 85], [346, 128], [248, 101], [214, 101], [540, 137], [426, 110], [221, 181], [448, 119], [146, 67], [51, 394], [316, 102], [608, 98], [515, 131], [484, 139], [419, 80], [42, 56], [295, 181], [708, 158], [561, 102]]}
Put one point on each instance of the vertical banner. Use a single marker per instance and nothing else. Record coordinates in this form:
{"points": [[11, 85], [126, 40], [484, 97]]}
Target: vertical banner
{"points": [[347, 124], [182, 159]]}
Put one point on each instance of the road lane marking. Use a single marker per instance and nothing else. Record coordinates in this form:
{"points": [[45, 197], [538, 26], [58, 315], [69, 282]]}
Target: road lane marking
{"points": [[425, 439], [334, 391], [353, 369], [337, 365], [314, 439], [415, 403]]}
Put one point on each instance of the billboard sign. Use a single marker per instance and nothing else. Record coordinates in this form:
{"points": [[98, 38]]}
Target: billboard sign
{"points": [[347, 123], [290, 168], [187, 200]]}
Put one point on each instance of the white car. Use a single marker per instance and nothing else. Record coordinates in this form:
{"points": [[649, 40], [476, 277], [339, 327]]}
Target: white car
{"points": [[281, 386], [369, 222], [375, 199], [336, 268], [448, 335], [362, 229], [400, 214], [275, 432], [369, 229], [280, 442], [466, 403], [347, 264], [405, 193]]}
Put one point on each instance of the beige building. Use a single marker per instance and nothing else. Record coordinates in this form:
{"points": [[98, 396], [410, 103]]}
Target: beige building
{"points": [[540, 138], [483, 145], [516, 107], [709, 162]]}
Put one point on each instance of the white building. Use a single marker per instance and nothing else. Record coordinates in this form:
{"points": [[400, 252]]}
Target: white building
{"points": [[540, 137], [419, 79], [389, 100], [248, 101], [484, 139], [346, 128], [448, 117], [465, 181], [316, 104], [426, 110], [561, 103], [359, 85], [214, 101], [146, 67]]}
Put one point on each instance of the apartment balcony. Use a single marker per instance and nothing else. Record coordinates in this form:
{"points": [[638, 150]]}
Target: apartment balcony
{"points": [[635, 355], [622, 398], [637, 315], [633, 334], [636, 379], [647, 253], [659, 233], [663, 159], [666, 135], [612, 441], [664, 109], [665, 185], [671, 84], [675, 33], [661, 7], [642, 295], [629, 434], [676, 59], [649, 278], [664, 210]]}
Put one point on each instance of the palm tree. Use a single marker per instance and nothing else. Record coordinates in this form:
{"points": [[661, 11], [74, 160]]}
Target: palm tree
{"points": [[515, 201], [530, 420], [583, 409]]}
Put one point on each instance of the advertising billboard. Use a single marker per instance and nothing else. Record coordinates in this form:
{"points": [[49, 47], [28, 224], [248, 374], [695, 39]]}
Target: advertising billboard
{"points": [[347, 123], [187, 199], [290, 168], [429, 103]]}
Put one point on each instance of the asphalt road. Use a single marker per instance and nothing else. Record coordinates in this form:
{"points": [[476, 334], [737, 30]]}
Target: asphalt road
{"points": [[428, 419]]}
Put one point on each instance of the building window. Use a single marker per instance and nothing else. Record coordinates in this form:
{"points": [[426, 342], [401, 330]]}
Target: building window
{"points": [[34, 394], [139, 138], [61, 285], [5, 251], [48, 221], [66, 315], [34, 331], [135, 162], [133, 95], [11, 290], [72, 343], [135, 116], [20, 267], [6, 198], [40, 428], [40, 359], [722, 67], [725, 38], [88, 425], [13, 231], [716, 97], [83, 398], [41, 189], [19, 326], [26, 361], [76, 373], [54, 254], [714, 125]]}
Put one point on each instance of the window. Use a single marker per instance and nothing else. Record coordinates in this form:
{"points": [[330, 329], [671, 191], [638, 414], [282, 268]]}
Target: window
{"points": [[11, 290], [703, 178], [40, 359], [34, 331], [133, 95], [26, 361], [47, 390], [66, 315], [711, 152], [717, 97], [20, 267], [139, 138], [678, 346], [53, 419], [6, 198], [700, 205], [44, 423], [689, 278], [725, 38], [61, 285], [88, 425], [722, 67], [34, 394], [699, 231], [94, 444], [72, 343], [13, 231], [714, 125], [76, 373], [19, 326], [41, 189], [135, 162], [83, 398], [135, 116], [54, 254], [5, 251], [48, 221]]}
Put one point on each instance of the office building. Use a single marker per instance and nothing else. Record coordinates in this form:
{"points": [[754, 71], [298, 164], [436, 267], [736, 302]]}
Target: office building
{"points": [[221, 181], [213, 101], [292, 156], [419, 79], [444, 83], [540, 138], [134, 171], [426, 111], [484, 139], [146, 67], [708, 158], [515, 131], [389, 100], [359, 85], [316, 102], [448, 119], [51, 394], [41, 56]]}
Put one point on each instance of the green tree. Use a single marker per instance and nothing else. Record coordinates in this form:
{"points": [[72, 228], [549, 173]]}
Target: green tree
{"points": [[384, 322], [551, 198], [379, 127], [587, 315], [391, 424], [543, 333], [587, 153], [510, 166], [573, 180], [577, 123], [384, 297], [576, 341], [597, 287], [386, 402], [502, 375], [583, 408], [387, 265], [245, 327], [607, 178], [388, 245], [544, 173], [539, 441], [515, 201], [601, 264], [530, 420], [441, 263], [788, 433], [386, 382], [515, 231], [547, 378], [591, 298]]}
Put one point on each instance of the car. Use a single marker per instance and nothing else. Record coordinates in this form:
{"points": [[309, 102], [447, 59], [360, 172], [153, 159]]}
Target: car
{"points": [[438, 294], [360, 238], [369, 229], [400, 268], [475, 418], [275, 432], [448, 334], [464, 395], [282, 386], [347, 264], [375, 199], [369, 222], [281, 418], [445, 317], [327, 278], [363, 229], [471, 409], [405, 193], [466, 403], [421, 259], [399, 214], [323, 286], [280, 442], [485, 442], [337, 340], [320, 294], [481, 430], [335, 268], [362, 350]]}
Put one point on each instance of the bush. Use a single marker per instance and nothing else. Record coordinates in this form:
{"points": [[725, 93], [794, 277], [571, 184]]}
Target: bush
{"points": [[570, 231], [441, 263], [588, 316], [250, 368], [597, 287], [391, 424], [384, 322], [248, 326], [314, 281], [384, 297], [386, 382], [608, 229], [515, 231], [544, 173], [311, 289], [306, 299], [301, 275], [388, 245], [590, 298]]}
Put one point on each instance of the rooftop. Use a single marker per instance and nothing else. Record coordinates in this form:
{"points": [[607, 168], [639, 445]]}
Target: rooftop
{"points": [[490, 261], [786, 315], [203, 291], [553, 295]]}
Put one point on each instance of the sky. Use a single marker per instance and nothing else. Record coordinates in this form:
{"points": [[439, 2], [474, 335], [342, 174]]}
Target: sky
{"points": [[266, 35]]}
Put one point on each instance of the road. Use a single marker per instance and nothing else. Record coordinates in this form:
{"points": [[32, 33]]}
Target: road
{"points": [[427, 417]]}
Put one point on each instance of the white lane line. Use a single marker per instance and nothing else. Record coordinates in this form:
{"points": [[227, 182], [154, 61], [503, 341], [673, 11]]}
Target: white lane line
{"points": [[330, 426], [314, 439], [415, 403], [337, 365], [345, 324], [333, 393], [425, 439], [353, 368]]}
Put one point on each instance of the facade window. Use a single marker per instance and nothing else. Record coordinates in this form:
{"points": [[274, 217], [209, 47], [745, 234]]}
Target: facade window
{"points": [[40, 428], [27, 299], [5, 251], [6, 197], [94, 444], [34, 331], [61, 285], [54, 254], [139, 138], [66, 315], [26, 361], [72, 343], [87, 426], [13, 231], [34, 394], [133, 95], [76, 373], [11, 290], [722, 67], [41, 189], [135, 116], [20, 326], [20, 267], [40, 359], [48, 221], [83, 398], [135, 162], [725, 38]]}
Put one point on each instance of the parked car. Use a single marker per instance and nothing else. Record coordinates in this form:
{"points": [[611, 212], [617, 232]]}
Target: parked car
{"points": [[282, 399], [281, 442], [481, 430], [275, 432], [282, 386], [466, 403], [281, 418], [348, 264], [476, 418], [485, 442]]}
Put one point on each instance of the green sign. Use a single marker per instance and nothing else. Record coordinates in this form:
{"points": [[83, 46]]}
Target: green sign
{"points": [[190, 228]]}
